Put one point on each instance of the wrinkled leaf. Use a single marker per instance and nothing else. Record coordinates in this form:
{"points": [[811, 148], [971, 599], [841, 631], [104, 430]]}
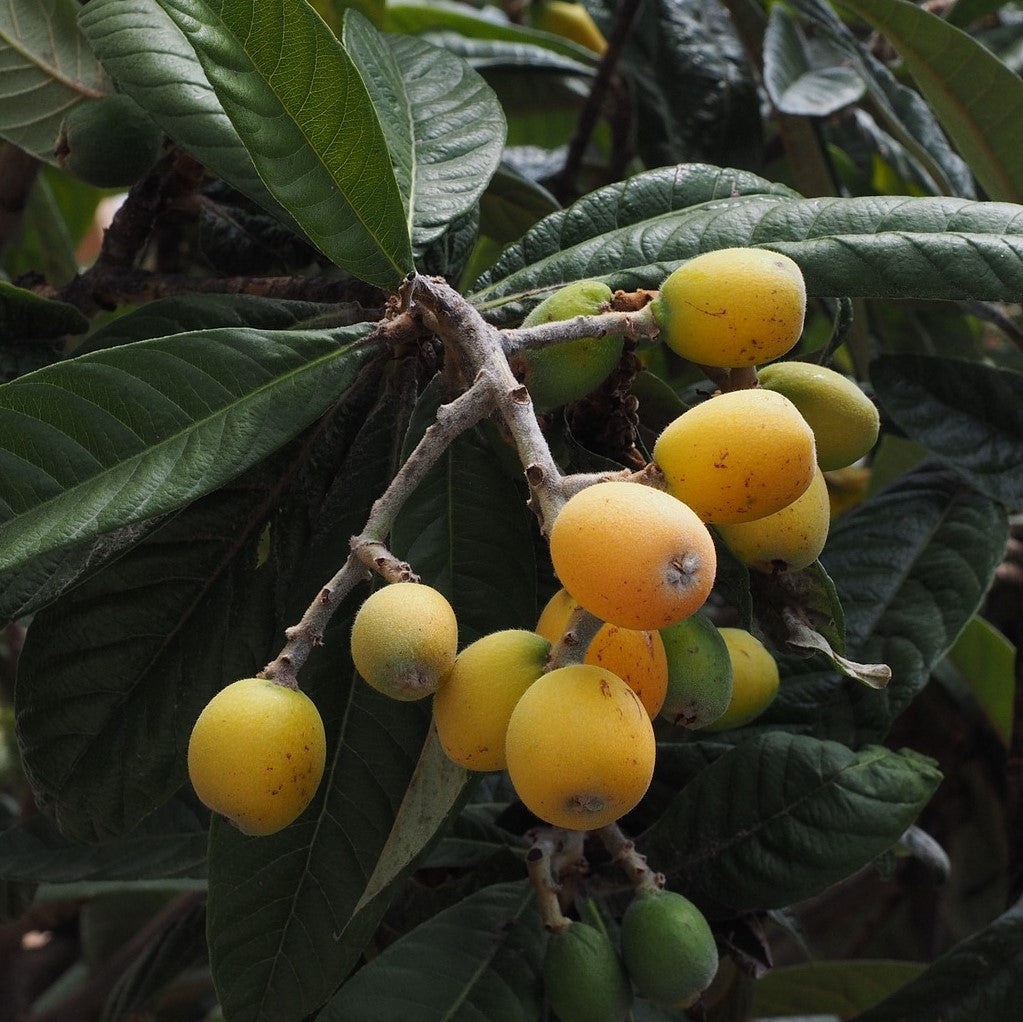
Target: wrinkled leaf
{"points": [[782, 817], [986, 661], [967, 413]]}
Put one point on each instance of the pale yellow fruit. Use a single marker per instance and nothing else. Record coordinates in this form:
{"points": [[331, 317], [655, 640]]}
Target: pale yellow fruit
{"points": [[404, 640], [844, 420], [570, 21], [637, 657], [580, 748], [256, 754], [732, 307], [473, 702], [632, 555], [754, 680], [737, 457], [788, 540]]}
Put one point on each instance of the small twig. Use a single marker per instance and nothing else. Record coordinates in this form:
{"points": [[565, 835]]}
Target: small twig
{"points": [[623, 851], [564, 185], [580, 631], [634, 325], [553, 852]]}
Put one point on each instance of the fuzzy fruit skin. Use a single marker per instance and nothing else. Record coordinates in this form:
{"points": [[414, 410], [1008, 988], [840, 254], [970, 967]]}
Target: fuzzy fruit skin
{"points": [[755, 680], [668, 948], [788, 540], [570, 21], [638, 658], [737, 457], [844, 420], [474, 701], [699, 672], [632, 555], [732, 307], [256, 754], [584, 978], [404, 640], [108, 142], [562, 373], [580, 748]]}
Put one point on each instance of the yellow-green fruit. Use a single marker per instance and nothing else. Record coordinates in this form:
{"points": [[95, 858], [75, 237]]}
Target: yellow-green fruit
{"points": [[584, 978], [570, 21], [668, 948], [788, 540], [732, 307], [404, 640], [699, 672], [755, 679], [632, 555], [473, 703], [256, 754], [737, 457], [637, 657], [844, 420], [108, 142], [580, 748], [565, 372]]}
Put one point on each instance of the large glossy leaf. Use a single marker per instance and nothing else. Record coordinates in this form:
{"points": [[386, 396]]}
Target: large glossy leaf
{"points": [[151, 60], [304, 114], [977, 98], [795, 84], [980, 978], [171, 842], [782, 817], [480, 959], [878, 246], [114, 674], [46, 68], [966, 413], [901, 108], [911, 566], [443, 124], [26, 316], [117, 437]]}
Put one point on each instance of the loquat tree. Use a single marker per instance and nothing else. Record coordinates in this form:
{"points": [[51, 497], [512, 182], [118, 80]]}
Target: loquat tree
{"points": [[510, 511]]}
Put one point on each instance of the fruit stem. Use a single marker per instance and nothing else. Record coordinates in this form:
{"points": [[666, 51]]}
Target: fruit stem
{"points": [[623, 851], [580, 630], [553, 851], [634, 325]]}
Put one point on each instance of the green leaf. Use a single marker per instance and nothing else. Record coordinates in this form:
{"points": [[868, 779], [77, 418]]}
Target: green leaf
{"points": [[114, 674], [25, 315], [632, 235], [512, 204], [443, 124], [840, 987], [45, 70], [150, 58], [782, 817], [966, 413], [901, 108], [980, 978], [466, 530], [117, 437], [795, 85], [169, 843], [911, 566], [302, 109], [978, 100], [45, 245], [479, 959], [986, 661]]}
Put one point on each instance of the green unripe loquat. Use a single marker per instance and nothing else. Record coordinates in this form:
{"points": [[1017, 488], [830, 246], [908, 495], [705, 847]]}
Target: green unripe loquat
{"points": [[584, 978], [754, 680], [668, 948], [474, 701], [109, 142], [788, 540], [738, 456], [561, 373], [732, 307], [699, 672], [404, 640], [844, 420], [256, 754]]}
